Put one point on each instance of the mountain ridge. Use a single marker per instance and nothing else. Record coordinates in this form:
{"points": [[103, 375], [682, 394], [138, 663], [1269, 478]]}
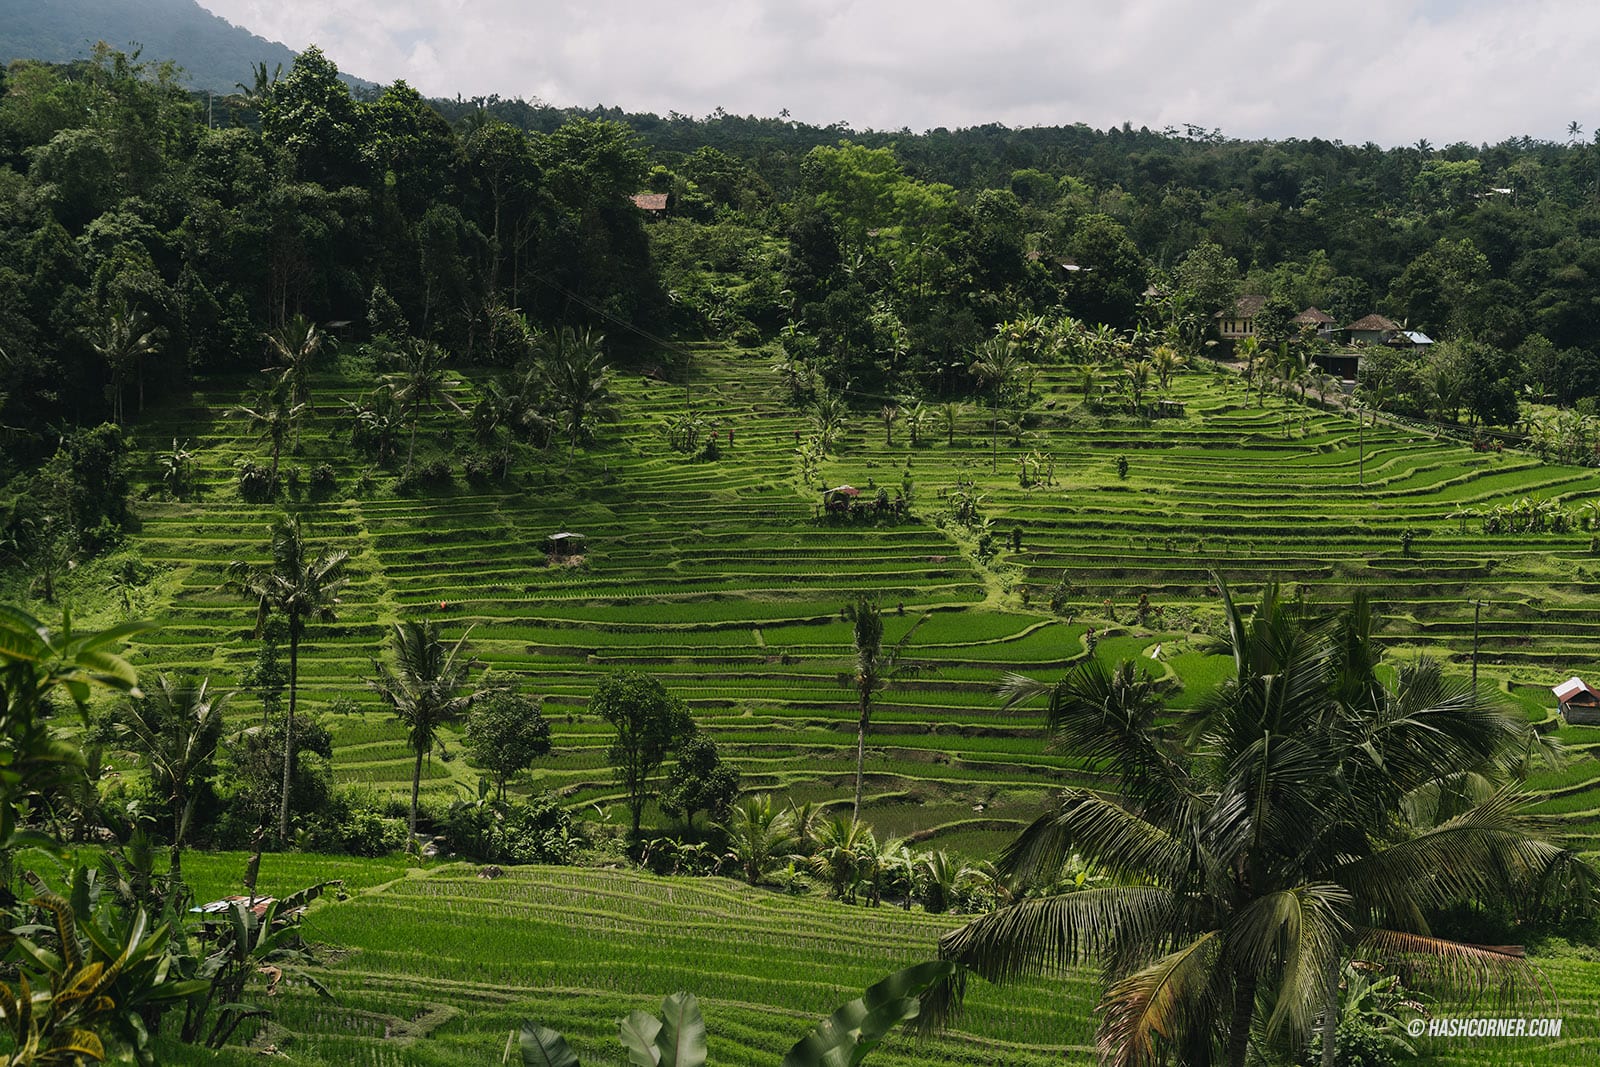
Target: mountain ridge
{"points": [[214, 53]]}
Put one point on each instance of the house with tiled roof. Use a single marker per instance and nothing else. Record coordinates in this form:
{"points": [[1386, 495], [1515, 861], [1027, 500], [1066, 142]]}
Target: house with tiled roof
{"points": [[1239, 321], [1314, 321], [652, 203], [1373, 329]]}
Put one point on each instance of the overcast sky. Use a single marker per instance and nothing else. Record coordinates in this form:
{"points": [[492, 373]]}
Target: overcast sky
{"points": [[1390, 71]]}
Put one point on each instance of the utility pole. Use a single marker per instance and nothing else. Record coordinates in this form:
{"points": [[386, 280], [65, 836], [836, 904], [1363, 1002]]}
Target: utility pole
{"points": [[1477, 608]]}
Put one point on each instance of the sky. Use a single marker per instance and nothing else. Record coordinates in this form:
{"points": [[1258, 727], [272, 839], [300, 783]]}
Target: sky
{"points": [[1389, 71]]}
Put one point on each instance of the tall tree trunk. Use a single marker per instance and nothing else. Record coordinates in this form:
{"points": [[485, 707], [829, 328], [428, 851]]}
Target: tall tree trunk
{"points": [[994, 436], [1244, 1010], [416, 789], [1330, 1017], [861, 752], [175, 868], [288, 731]]}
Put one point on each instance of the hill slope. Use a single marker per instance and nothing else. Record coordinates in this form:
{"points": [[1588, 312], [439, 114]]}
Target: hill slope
{"points": [[214, 53]]}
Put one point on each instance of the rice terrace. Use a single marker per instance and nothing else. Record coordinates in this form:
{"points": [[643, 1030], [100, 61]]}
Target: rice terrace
{"points": [[491, 581]]}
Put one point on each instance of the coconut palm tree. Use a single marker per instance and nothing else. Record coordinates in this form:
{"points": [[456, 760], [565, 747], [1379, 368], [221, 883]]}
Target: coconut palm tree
{"points": [[997, 365], [419, 384], [123, 339], [1165, 361], [841, 856], [272, 417], [175, 730], [579, 382], [761, 836], [1253, 844], [301, 589], [874, 669], [917, 417], [426, 689], [293, 348], [950, 414], [828, 414]]}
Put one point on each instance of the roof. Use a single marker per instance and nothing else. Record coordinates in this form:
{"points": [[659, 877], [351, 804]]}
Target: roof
{"points": [[1374, 322], [650, 201], [1572, 687], [847, 490], [1313, 316], [258, 905], [563, 536], [1416, 337], [1247, 306]]}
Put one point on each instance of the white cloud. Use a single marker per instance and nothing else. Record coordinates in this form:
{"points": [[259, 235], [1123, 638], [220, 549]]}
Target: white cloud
{"points": [[1390, 71]]}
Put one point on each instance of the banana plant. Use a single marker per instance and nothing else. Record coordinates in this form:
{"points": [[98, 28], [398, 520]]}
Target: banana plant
{"points": [[678, 1037], [96, 977]]}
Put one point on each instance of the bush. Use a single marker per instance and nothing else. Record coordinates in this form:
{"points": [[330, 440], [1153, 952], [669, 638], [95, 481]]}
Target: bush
{"points": [[480, 468], [433, 474], [322, 481], [367, 833], [536, 829], [255, 482]]}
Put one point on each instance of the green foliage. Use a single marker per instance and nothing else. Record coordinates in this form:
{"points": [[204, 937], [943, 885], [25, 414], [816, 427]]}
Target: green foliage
{"points": [[505, 733], [699, 781], [650, 723], [678, 1037]]}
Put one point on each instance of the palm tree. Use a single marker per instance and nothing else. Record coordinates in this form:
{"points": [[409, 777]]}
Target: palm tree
{"points": [[272, 417], [1165, 361], [294, 347], [828, 414], [761, 836], [889, 413], [843, 846], [579, 381], [874, 670], [419, 383], [917, 417], [302, 590], [123, 339], [375, 423], [950, 414], [997, 365], [1252, 846], [175, 730], [426, 690]]}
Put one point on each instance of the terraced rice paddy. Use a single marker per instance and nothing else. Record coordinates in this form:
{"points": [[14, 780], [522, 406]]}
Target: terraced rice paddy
{"points": [[438, 966], [720, 577]]}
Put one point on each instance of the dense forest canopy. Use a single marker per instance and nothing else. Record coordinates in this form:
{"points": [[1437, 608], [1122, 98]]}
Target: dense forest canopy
{"points": [[151, 235]]}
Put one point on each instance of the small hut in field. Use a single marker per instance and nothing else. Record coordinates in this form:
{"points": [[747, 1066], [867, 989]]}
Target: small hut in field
{"points": [[564, 545], [1578, 702]]}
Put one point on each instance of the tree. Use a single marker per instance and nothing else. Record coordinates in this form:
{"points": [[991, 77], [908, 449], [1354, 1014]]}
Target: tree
{"points": [[1255, 844], [874, 670], [123, 340], [426, 689], [273, 418], [997, 364], [302, 590], [294, 347], [175, 730], [505, 733], [761, 836], [650, 723], [420, 384], [579, 379], [699, 781]]}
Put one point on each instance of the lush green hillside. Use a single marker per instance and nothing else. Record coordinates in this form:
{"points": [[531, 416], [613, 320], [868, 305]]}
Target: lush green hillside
{"points": [[719, 577], [438, 966], [214, 53]]}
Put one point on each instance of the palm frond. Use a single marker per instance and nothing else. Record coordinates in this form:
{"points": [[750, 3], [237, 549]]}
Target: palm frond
{"points": [[1171, 999]]}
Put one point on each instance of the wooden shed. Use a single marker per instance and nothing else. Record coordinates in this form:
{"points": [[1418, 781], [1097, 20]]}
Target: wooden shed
{"points": [[1578, 702], [564, 544]]}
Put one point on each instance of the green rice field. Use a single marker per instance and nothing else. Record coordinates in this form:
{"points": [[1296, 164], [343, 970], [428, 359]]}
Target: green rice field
{"points": [[723, 578]]}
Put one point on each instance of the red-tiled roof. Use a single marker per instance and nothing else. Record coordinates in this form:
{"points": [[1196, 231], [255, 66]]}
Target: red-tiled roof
{"points": [[1311, 316], [651, 201], [1374, 322]]}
